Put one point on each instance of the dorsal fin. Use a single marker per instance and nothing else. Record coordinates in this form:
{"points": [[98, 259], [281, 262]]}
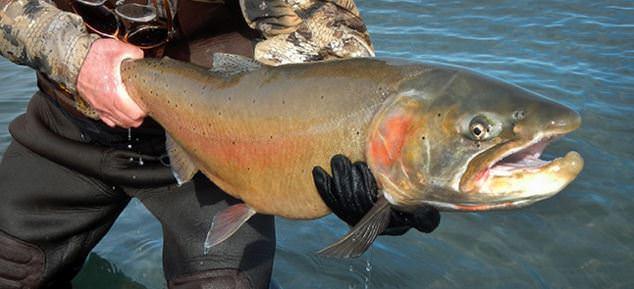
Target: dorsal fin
{"points": [[232, 64]]}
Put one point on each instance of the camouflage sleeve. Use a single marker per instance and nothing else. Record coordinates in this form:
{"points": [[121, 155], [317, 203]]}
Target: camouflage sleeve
{"points": [[37, 34], [307, 30]]}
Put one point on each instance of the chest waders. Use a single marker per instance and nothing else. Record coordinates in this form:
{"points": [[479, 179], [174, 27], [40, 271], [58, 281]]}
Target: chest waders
{"points": [[64, 179]]}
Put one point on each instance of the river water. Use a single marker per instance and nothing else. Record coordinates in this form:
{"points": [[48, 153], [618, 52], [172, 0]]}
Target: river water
{"points": [[579, 53]]}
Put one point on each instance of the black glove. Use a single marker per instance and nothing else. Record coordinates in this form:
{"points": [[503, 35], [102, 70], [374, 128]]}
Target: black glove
{"points": [[352, 191]]}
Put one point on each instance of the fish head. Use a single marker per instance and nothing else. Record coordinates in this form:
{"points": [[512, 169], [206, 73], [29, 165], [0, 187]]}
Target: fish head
{"points": [[462, 141]]}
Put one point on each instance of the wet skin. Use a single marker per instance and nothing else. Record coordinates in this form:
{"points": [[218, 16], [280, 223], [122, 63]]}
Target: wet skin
{"points": [[431, 134]]}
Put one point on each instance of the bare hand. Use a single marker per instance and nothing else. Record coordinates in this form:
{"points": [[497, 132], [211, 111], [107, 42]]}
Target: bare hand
{"points": [[99, 83]]}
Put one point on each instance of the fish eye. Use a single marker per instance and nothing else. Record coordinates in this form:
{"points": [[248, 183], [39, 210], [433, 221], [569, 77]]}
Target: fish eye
{"points": [[482, 128], [477, 130]]}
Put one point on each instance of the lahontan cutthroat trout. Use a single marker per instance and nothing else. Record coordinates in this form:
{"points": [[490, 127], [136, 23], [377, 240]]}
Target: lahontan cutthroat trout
{"points": [[431, 134]]}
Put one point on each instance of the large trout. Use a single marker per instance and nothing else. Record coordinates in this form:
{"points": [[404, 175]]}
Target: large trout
{"points": [[431, 134]]}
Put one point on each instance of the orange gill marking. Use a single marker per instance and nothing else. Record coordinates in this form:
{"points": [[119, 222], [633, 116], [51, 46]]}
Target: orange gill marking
{"points": [[386, 144]]}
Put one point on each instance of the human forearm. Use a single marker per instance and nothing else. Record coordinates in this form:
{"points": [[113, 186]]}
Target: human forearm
{"points": [[39, 35]]}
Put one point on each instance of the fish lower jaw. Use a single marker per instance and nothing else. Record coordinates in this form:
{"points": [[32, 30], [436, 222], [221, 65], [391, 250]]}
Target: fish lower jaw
{"points": [[477, 207], [538, 181], [524, 160], [519, 178]]}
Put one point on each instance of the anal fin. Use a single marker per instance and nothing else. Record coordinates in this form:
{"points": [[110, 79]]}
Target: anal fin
{"points": [[182, 165], [226, 223], [361, 236]]}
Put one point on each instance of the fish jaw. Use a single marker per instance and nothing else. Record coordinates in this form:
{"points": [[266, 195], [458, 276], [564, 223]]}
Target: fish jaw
{"points": [[520, 183], [513, 175]]}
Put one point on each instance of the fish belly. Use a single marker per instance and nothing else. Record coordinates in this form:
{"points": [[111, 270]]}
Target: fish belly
{"points": [[258, 135]]}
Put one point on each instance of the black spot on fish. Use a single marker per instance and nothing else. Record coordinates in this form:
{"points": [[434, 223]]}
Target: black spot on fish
{"points": [[438, 114], [233, 142]]}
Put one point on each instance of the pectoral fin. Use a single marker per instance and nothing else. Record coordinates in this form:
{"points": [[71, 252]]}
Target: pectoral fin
{"points": [[183, 168], [227, 222], [361, 236]]}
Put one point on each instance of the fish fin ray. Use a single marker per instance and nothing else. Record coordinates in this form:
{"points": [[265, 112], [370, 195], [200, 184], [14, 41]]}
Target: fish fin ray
{"points": [[183, 168], [361, 236], [226, 223], [232, 64]]}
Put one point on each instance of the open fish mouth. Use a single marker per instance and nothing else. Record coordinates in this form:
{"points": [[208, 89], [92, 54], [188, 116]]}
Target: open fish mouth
{"points": [[514, 176], [525, 159]]}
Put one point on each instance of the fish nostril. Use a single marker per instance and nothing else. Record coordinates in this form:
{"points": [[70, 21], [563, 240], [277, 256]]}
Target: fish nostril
{"points": [[519, 115], [567, 120]]}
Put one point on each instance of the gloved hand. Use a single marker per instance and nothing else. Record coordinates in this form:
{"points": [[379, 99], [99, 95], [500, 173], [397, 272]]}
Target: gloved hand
{"points": [[351, 192]]}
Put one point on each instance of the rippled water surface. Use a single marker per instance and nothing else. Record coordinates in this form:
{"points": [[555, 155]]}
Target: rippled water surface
{"points": [[580, 53]]}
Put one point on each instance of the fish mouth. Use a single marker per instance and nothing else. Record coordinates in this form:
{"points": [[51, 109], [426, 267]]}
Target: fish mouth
{"points": [[514, 175]]}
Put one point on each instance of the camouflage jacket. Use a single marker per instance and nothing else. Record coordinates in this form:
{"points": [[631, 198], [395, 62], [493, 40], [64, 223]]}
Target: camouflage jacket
{"points": [[37, 34]]}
